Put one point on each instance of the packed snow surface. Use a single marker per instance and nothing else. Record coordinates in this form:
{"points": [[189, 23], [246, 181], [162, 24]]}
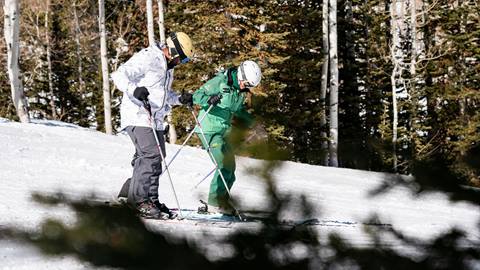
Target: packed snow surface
{"points": [[51, 156]]}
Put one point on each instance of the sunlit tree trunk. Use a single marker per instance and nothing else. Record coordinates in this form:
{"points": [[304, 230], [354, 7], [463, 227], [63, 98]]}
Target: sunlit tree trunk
{"points": [[104, 59], [413, 78], [172, 133], [324, 83], [12, 33], [161, 21], [151, 32], [78, 49], [397, 57], [53, 107], [333, 146]]}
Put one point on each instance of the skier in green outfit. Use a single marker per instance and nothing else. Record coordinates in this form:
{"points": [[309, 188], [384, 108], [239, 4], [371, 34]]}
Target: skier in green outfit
{"points": [[226, 92]]}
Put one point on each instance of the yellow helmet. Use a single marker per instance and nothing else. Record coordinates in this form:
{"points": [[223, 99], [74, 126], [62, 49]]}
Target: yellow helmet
{"points": [[180, 45]]}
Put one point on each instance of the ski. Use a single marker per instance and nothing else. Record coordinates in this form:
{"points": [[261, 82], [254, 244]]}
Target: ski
{"points": [[193, 216], [248, 216]]}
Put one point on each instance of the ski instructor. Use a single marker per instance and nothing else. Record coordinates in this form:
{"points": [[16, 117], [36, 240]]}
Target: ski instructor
{"points": [[226, 92], [146, 78]]}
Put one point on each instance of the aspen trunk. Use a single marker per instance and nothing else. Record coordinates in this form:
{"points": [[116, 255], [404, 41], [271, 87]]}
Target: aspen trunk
{"points": [[79, 48], [104, 59], [333, 146], [12, 35], [396, 79], [395, 43], [161, 21], [53, 107], [172, 133], [413, 77], [151, 33], [324, 83]]}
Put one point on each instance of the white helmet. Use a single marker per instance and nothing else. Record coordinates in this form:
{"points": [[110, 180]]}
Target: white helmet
{"points": [[250, 73]]}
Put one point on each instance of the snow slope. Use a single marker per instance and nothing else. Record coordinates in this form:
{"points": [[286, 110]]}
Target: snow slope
{"points": [[50, 156]]}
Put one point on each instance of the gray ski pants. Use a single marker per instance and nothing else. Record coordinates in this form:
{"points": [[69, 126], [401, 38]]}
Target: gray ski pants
{"points": [[147, 164]]}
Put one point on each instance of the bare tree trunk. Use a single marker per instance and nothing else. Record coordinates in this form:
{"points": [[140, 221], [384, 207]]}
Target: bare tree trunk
{"points": [[324, 83], [413, 77], [151, 33], [12, 34], [103, 56], [333, 146], [413, 62], [161, 21], [395, 115], [53, 107], [397, 56], [395, 43], [79, 47], [172, 133]]}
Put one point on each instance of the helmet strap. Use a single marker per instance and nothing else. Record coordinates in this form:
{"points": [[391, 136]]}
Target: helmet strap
{"points": [[245, 90], [178, 47]]}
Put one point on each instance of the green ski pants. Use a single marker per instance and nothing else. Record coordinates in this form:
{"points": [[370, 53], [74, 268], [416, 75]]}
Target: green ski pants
{"points": [[223, 154]]}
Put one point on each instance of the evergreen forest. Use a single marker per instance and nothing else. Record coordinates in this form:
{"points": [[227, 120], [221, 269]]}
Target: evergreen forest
{"points": [[408, 72]]}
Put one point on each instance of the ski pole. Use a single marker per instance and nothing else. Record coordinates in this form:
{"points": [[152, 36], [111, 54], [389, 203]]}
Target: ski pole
{"points": [[211, 155], [148, 108], [188, 138], [203, 179], [216, 165]]}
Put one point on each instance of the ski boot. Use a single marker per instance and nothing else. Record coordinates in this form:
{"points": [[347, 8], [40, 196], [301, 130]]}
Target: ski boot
{"points": [[164, 209], [210, 209], [149, 210]]}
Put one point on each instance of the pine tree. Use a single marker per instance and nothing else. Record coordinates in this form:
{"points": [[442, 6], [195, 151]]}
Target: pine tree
{"points": [[453, 32], [365, 121]]}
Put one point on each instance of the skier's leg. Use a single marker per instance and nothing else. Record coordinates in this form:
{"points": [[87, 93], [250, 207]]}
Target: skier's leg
{"points": [[147, 165], [153, 191], [218, 194], [228, 171], [130, 195], [124, 191], [135, 156], [207, 142], [229, 163], [126, 186]]}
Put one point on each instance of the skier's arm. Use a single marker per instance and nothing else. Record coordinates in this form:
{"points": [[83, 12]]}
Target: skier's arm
{"points": [[172, 98], [210, 88], [130, 73]]}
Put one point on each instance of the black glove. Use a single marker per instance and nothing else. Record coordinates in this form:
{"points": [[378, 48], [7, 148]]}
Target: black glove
{"points": [[186, 99], [141, 93], [214, 100]]}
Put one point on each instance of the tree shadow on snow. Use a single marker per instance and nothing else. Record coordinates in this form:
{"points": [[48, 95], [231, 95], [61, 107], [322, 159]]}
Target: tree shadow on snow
{"points": [[114, 236]]}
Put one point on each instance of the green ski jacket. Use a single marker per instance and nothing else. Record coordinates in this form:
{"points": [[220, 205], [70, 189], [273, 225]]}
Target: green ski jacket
{"points": [[220, 116]]}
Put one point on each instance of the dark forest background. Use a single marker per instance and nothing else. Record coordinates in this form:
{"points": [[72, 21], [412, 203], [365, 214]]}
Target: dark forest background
{"points": [[438, 104]]}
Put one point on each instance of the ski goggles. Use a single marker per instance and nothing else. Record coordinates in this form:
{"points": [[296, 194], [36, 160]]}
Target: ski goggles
{"points": [[175, 53], [185, 60], [247, 84]]}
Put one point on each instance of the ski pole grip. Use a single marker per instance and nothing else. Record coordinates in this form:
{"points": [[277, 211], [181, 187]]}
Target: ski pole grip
{"points": [[146, 105]]}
